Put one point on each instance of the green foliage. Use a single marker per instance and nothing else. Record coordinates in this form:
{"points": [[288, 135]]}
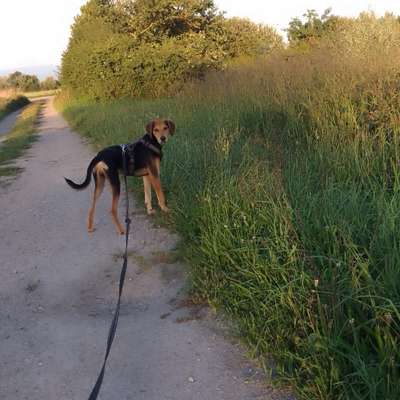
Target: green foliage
{"points": [[49, 83], [8, 105], [242, 37], [19, 139], [284, 183], [149, 48], [313, 28], [19, 82], [23, 82], [154, 21]]}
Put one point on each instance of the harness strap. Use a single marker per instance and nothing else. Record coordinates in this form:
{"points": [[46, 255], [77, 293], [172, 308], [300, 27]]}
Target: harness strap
{"points": [[114, 323], [151, 146]]}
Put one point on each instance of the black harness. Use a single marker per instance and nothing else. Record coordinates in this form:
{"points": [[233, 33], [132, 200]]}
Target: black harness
{"points": [[128, 153]]}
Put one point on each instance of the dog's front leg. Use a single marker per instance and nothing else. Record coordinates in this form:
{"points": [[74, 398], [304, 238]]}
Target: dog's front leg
{"points": [[147, 195], [155, 182]]}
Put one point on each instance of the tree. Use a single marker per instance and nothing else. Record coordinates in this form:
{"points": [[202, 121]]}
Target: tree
{"points": [[313, 28], [150, 20], [134, 48], [242, 37], [25, 83], [49, 83], [14, 79]]}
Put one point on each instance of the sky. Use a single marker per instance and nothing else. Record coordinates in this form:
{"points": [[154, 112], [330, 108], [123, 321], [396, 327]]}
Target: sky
{"points": [[35, 33]]}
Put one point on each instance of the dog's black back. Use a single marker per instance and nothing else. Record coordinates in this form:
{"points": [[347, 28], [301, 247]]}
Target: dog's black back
{"points": [[112, 157], [143, 155]]}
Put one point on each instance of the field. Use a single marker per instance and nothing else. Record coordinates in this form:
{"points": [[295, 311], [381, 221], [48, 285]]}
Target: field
{"points": [[284, 184]]}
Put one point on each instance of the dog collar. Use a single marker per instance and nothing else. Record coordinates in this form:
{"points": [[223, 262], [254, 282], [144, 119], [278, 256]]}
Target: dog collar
{"points": [[129, 148], [155, 149]]}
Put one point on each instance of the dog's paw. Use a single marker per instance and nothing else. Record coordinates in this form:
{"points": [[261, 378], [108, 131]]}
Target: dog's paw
{"points": [[91, 230], [151, 211], [165, 209]]}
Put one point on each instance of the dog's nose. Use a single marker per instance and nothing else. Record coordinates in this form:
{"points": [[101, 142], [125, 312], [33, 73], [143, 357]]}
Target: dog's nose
{"points": [[163, 138]]}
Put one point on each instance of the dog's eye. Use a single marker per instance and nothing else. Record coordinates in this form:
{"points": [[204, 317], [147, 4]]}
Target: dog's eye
{"points": [[156, 130]]}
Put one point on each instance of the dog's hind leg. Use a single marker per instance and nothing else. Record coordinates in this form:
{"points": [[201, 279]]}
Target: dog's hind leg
{"points": [[115, 189], [99, 179]]}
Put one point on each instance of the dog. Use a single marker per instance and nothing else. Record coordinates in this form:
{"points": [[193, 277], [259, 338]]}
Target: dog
{"points": [[143, 160]]}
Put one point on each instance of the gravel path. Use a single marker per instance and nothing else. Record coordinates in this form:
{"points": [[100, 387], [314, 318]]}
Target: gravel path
{"points": [[58, 287]]}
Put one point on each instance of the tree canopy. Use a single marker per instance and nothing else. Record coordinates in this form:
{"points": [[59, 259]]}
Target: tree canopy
{"points": [[312, 27], [26, 83], [21, 82], [135, 48]]}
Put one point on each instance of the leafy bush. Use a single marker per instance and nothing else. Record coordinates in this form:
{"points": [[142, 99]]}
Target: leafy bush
{"points": [[140, 48], [8, 105]]}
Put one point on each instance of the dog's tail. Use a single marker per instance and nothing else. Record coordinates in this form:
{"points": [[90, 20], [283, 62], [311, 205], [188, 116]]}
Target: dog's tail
{"points": [[88, 178]]}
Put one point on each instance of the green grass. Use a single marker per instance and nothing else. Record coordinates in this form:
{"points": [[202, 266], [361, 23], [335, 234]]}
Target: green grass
{"points": [[284, 184], [18, 140], [42, 93], [8, 105]]}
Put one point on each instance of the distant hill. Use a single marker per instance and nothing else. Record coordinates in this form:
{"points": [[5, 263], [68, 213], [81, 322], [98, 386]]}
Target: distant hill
{"points": [[41, 71]]}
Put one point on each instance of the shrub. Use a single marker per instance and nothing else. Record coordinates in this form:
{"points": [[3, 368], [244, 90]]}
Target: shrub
{"points": [[139, 48], [8, 105]]}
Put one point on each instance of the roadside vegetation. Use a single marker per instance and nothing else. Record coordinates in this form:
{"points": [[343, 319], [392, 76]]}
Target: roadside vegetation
{"points": [[283, 178], [10, 104], [152, 48], [18, 140], [17, 82], [42, 93]]}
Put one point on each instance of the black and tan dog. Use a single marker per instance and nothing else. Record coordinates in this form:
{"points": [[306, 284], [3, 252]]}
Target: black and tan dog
{"points": [[147, 155]]}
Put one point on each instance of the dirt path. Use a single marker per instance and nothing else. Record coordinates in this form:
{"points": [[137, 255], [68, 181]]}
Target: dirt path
{"points": [[7, 123], [58, 287]]}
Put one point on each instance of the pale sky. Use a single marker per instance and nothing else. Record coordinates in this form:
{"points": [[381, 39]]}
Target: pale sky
{"points": [[36, 32]]}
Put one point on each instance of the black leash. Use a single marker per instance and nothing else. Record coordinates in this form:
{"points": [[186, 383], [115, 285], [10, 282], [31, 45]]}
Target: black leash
{"points": [[114, 323]]}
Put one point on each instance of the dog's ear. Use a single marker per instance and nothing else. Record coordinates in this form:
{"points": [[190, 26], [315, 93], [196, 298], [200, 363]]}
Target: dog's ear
{"points": [[171, 126], [150, 127]]}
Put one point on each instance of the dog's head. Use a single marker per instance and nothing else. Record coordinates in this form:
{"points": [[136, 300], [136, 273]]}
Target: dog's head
{"points": [[160, 129]]}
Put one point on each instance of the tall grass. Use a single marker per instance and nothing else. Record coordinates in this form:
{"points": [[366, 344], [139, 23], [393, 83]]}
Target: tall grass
{"points": [[10, 104], [284, 183], [42, 93], [18, 140]]}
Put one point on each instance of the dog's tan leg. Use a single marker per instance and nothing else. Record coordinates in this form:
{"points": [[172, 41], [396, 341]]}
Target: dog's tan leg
{"points": [[114, 212], [147, 195], [99, 185], [155, 182]]}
